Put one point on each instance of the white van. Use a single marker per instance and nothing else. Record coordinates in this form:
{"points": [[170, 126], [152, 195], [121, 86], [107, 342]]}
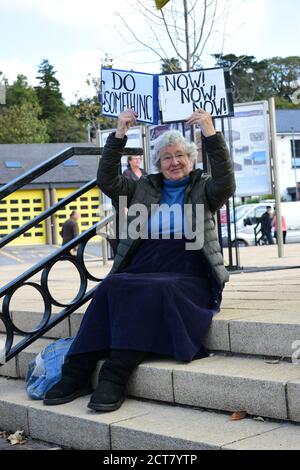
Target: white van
{"points": [[248, 215]]}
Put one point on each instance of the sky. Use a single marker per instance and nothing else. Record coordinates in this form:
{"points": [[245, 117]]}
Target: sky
{"points": [[75, 36]]}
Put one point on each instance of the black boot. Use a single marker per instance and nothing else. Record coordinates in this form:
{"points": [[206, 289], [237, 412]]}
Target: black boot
{"points": [[76, 379], [113, 378]]}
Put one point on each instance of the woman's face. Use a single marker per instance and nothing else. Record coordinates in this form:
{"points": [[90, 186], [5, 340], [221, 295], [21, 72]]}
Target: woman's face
{"points": [[174, 162], [135, 161]]}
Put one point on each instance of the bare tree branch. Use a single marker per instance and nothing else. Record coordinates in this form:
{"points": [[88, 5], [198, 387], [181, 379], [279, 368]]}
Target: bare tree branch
{"points": [[170, 37], [185, 26], [138, 40], [202, 28]]}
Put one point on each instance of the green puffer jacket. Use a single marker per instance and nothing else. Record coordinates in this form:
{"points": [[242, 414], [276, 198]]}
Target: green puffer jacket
{"points": [[212, 191]]}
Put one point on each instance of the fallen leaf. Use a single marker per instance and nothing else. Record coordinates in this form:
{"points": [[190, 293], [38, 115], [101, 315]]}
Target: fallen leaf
{"points": [[18, 438], [238, 415], [259, 418]]}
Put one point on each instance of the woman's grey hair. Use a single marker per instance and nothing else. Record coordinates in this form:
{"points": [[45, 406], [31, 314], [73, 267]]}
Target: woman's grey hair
{"points": [[171, 138]]}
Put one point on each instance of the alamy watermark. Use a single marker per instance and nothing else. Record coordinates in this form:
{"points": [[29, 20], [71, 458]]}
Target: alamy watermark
{"points": [[296, 353], [296, 97], [140, 221]]}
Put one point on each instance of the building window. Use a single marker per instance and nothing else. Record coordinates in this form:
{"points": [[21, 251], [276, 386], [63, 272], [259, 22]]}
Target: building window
{"points": [[295, 152], [69, 163], [10, 164]]}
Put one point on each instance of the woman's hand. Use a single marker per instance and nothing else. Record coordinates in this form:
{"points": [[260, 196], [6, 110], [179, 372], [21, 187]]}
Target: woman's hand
{"points": [[204, 120], [125, 120]]}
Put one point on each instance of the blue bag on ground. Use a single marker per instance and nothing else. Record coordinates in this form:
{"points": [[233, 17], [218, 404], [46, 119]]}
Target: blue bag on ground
{"points": [[45, 370]]}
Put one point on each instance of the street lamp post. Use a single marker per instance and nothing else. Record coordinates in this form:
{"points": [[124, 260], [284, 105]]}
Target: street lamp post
{"points": [[295, 161]]}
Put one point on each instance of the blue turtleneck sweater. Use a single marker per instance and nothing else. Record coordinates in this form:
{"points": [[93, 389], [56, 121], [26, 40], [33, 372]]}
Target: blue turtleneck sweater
{"points": [[173, 193]]}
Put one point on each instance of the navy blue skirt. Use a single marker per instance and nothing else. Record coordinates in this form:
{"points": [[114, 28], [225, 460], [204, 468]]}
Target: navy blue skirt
{"points": [[163, 302]]}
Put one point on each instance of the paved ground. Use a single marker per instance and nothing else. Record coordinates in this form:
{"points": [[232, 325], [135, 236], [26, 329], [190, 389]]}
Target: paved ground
{"points": [[30, 444], [64, 281], [266, 256], [31, 254], [251, 256]]}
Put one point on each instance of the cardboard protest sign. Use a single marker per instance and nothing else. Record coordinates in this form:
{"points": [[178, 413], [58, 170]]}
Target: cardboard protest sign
{"points": [[121, 89], [183, 93]]}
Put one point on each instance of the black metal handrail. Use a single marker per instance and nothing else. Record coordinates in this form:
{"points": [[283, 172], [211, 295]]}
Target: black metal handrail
{"points": [[62, 254], [45, 267]]}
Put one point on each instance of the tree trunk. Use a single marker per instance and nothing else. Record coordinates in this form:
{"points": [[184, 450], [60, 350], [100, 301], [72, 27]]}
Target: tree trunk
{"points": [[187, 39]]}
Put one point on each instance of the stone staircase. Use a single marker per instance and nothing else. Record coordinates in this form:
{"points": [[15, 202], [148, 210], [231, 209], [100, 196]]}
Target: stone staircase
{"points": [[172, 405]]}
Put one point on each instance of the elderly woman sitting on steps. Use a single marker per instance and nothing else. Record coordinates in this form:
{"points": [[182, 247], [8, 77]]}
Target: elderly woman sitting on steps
{"points": [[161, 293]]}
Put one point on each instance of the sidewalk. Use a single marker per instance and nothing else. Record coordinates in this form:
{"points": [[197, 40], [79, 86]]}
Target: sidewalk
{"points": [[245, 293], [267, 256]]}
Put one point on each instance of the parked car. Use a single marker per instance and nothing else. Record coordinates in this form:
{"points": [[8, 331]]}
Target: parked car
{"points": [[248, 215]]}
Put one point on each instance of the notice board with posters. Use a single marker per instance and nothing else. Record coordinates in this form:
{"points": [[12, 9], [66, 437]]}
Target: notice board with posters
{"points": [[121, 90], [182, 93], [248, 137]]}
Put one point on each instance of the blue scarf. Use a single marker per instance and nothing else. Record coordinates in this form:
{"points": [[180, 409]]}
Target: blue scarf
{"points": [[173, 193]]}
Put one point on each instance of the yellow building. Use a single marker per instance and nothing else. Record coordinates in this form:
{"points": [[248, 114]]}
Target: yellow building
{"points": [[27, 203]]}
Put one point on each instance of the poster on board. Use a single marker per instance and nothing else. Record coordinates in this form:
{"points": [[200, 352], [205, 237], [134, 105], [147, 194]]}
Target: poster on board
{"points": [[121, 90], [183, 93], [248, 138]]}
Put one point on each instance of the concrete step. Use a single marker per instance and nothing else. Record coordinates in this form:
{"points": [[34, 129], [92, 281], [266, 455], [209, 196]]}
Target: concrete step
{"points": [[27, 321], [221, 382], [241, 331], [138, 425]]}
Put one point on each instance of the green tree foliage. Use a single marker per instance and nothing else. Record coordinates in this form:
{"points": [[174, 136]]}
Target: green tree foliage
{"points": [[48, 91], [254, 80], [247, 76], [283, 76], [21, 125], [66, 128], [88, 110], [63, 126], [170, 65], [21, 93]]}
